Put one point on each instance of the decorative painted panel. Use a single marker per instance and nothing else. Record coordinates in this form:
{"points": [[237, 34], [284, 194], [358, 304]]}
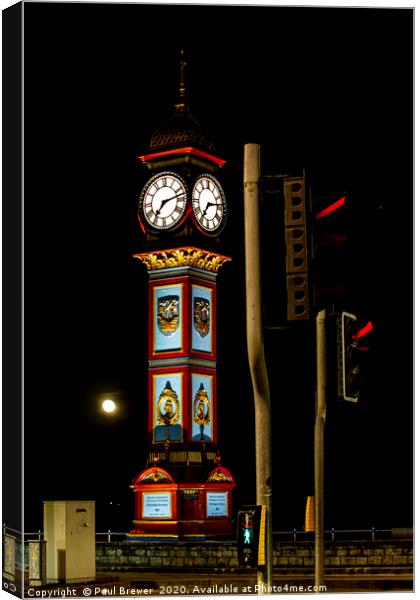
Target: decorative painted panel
{"points": [[202, 407], [167, 318], [201, 327], [167, 407]]}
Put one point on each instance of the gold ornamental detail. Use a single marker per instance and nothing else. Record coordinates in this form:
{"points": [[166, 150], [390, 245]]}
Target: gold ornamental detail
{"points": [[168, 407], [156, 476], [202, 407], [183, 257], [218, 477]]}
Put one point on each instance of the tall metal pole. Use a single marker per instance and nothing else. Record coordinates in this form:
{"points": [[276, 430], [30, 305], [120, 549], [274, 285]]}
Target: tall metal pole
{"points": [[256, 358], [321, 415]]}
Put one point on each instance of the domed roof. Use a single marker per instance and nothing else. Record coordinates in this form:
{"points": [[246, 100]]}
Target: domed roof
{"points": [[181, 130]]}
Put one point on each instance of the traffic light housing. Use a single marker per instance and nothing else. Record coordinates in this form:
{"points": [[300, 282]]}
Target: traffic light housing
{"points": [[250, 535], [349, 331], [296, 238], [348, 368]]}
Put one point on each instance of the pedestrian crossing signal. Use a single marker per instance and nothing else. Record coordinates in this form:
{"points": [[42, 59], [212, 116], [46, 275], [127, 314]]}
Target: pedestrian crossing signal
{"points": [[250, 531]]}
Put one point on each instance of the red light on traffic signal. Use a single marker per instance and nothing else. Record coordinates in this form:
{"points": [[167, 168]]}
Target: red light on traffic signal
{"points": [[331, 208], [362, 332]]}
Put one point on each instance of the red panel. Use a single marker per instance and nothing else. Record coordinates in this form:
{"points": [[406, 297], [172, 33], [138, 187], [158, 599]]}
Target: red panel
{"points": [[151, 318], [189, 517], [187, 150], [150, 402]]}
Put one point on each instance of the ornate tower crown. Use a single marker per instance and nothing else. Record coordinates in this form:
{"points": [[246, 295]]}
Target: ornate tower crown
{"points": [[182, 129], [181, 140]]}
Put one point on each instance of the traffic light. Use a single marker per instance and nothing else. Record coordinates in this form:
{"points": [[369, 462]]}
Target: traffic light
{"points": [[349, 331], [250, 535], [332, 260], [298, 300], [310, 263]]}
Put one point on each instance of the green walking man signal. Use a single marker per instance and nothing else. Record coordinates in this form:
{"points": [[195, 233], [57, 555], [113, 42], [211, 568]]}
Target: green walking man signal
{"points": [[251, 536]]}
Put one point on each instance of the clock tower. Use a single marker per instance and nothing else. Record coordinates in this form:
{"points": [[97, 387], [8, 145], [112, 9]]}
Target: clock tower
{"points": [[184, 491]]}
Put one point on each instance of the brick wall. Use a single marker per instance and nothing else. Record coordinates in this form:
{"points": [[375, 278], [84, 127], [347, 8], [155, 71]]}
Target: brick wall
{"points": [[365, 556]]}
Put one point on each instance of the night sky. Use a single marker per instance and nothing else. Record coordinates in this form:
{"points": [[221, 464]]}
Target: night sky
{"points": [[325, 90]]}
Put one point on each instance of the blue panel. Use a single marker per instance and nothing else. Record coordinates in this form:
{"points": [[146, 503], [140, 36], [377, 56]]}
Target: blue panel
{"points": [[167, 315], [201, 318], [167, 407], [202, 407]]}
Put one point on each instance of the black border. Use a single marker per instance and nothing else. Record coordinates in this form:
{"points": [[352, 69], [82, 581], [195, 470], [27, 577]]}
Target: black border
{"points": [[12, 266]]}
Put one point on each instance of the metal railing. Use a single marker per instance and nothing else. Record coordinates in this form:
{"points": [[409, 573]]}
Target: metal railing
{"points": [[110, 536], [30, 535], [336, 534], [294, 535]]}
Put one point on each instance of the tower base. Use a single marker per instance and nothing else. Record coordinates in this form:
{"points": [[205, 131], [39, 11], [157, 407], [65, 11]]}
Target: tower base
{"points": [[165, 509]]}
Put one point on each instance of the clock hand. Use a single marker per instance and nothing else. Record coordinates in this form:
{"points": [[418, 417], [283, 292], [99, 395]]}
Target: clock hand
{"points": [[208, 205], [162, 204]]}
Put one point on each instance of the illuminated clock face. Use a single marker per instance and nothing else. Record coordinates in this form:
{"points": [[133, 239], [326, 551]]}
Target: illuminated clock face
{"points": [[163, 202], [209, 204]]}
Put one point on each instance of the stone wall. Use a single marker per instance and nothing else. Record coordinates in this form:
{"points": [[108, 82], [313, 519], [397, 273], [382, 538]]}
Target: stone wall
{"points": [[363, 556]]}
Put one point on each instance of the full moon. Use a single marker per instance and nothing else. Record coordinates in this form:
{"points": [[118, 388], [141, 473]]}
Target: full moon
{"points": [[109, 406]]}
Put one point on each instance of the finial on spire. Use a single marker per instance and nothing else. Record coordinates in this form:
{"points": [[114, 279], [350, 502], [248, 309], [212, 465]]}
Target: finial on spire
{"points": [[182, 89]]}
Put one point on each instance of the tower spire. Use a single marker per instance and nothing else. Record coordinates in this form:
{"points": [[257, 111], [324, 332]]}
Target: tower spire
{"points": [[182, 90], [181, 130]]}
